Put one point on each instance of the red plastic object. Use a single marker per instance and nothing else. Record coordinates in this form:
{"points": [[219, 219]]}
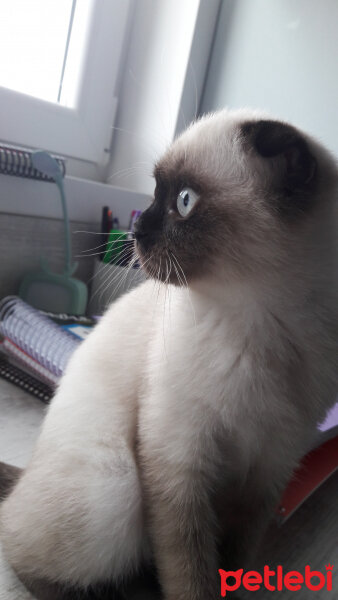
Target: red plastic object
{"points": [[315, 468]]}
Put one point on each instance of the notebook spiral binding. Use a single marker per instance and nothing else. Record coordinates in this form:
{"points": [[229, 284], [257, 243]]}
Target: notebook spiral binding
{"points": [[44, 344], [18, 161], [26, 382]]}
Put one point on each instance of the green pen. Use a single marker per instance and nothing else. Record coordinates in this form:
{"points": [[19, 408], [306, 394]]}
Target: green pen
{"points": [[115, 245]]}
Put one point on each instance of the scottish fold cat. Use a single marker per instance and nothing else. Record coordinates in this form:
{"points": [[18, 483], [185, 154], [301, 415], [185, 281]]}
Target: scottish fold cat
{"points": [[180, 419]]}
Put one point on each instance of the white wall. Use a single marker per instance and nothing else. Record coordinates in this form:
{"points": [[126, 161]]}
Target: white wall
{"points": [[282, 56], [165, 68], [85, 199]]}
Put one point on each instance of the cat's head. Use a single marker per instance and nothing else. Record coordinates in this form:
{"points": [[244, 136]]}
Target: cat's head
{"points": [[235, 194]]}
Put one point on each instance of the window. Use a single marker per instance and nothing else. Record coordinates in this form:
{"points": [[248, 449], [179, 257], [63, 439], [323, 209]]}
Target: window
{"points": [[48, 52], [58, 78]]}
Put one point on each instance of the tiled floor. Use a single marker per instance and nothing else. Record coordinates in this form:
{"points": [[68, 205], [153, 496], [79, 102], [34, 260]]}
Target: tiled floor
{"points": [[309, 537]]}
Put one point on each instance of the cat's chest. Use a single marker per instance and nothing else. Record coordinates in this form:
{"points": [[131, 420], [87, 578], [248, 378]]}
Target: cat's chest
{"points": [[200, 362]]}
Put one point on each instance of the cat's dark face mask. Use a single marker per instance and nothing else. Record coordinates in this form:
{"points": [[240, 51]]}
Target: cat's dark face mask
{"points": [[174, 238]]}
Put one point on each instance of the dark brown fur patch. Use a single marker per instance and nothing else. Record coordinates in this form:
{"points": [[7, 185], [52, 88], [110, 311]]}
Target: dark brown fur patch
{"points": [[294, 166]]}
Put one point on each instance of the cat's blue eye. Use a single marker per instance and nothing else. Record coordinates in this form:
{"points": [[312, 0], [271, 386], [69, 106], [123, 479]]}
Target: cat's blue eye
{"points": [[186, 199]]}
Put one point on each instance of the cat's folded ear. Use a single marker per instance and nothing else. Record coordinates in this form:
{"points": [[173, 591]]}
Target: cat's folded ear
{"points": [[277, 140]]}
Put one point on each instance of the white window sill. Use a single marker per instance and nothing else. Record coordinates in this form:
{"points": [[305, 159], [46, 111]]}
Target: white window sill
{"points": [[85, 199]]}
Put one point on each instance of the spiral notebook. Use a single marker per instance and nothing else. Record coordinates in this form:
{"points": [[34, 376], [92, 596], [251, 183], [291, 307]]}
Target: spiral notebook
{"points": [[18, 161], [33, 341]]}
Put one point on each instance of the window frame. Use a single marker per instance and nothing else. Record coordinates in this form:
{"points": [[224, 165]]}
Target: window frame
{"points": [[83, 132]]}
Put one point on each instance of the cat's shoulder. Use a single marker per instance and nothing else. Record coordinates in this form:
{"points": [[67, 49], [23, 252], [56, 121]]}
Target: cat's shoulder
{"points": [[136, 299]]}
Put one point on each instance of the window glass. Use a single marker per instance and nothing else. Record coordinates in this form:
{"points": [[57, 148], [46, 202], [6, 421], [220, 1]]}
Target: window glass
{"points": [[42, 46]]}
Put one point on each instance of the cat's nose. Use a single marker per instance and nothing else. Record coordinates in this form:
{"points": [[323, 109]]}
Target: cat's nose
{"points": [[140, 233], [145, 238], [148, 226], [142, 228]]}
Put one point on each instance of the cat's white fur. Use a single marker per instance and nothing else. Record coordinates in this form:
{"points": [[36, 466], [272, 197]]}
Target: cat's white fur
{"points": [[164, 370]]}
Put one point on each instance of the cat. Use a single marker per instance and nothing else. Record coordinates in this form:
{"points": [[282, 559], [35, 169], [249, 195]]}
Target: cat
{"points": [[180, 419]]}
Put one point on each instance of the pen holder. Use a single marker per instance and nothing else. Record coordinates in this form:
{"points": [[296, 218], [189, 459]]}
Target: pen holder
{"points": [[109, 282]]}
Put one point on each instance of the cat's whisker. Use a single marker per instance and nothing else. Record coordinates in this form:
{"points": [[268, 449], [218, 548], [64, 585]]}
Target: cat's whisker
{"points": [[101, 253], [104, 244], [125, 275], [94, 248], [141, 137], [155, 277], [127, 256], [186, 286], [184, 283], [120, 283], [157, 280], [98, 272], [164, 304], [147, 276], [134, 274], [122, 173], [123, 176], [125, 252], [160, 277], [188, 290], [137, 270], [100, 232], [169, 289], [167, 270], [119, 239], [104, 284], [135, 166], [111, 276], [117, 275], [149, 150], [178, 276], [157, 286], [109, 247]]}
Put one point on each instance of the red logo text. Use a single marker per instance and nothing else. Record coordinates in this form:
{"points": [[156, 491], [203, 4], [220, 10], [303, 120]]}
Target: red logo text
{"points": [[276, 580]]}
